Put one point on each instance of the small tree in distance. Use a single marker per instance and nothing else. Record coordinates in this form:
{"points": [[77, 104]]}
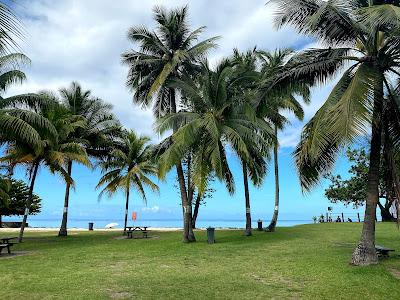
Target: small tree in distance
{"points": [[18, 196], [353, 191]]}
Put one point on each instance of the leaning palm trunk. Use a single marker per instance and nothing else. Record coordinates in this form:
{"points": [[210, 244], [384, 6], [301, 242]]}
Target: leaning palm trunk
{"points": [[196, 211], [247, 201], [63, 229], [29, 202], [365, 253], [187, 210], [188, 235], [274, 220], [126, 210], [190, 189]]}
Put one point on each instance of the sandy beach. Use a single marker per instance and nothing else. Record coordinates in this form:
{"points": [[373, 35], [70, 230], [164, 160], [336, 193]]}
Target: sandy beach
{"points": [[43, 229]]}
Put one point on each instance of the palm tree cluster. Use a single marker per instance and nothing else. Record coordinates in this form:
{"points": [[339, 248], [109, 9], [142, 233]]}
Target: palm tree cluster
{"points": [[211, 111], [55, 130], [214, 112]]}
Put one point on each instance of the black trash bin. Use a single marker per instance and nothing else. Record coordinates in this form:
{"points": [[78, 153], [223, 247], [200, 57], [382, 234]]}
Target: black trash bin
{"points": [[259, 223], [91, 226], [211, 235]]}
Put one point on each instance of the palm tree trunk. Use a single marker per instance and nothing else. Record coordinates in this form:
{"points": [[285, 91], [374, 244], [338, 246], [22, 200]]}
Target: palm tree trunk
{"points": [[395, 180], [365, 253], [126, 210], [1, 221], [247, 200], [190, 189], [196, 211], [272, 225], [188, 235], [63, 228], [29, 202], [187, 211]]}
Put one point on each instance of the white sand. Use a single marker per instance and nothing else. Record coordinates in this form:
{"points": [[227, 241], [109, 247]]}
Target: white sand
{"points": [[35, 229]]}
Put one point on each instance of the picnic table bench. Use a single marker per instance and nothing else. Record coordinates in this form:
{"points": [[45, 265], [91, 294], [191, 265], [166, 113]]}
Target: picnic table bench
{"points": [[383, 251], [132, 229], [5, 243]]}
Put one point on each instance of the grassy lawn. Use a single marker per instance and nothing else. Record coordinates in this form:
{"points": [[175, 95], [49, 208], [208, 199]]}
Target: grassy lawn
{"points": [[307, 262]]}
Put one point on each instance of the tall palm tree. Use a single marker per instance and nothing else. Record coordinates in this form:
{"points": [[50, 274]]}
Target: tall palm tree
{"points": [[276, 99], [129, 165], [366, 36], [96, 135], [45, 145], [218, 119], [165, 54], [246, 78]]}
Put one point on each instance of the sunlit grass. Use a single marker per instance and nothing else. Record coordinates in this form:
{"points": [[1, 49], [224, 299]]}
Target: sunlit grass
{"points": [[308, 261]]}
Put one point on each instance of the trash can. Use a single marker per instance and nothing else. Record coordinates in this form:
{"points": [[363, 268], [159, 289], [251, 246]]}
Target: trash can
{"points": [[211, 235], [91, 226], [259, 223]]}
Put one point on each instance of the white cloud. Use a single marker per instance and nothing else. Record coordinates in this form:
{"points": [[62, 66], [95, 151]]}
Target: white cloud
{"points": [[83, 40], [154, 209]]}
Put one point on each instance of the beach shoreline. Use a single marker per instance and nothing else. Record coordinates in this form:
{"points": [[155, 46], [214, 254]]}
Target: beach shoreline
{"points": [[45, 229]]}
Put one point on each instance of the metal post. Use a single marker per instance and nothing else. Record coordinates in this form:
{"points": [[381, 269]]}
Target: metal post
{"points": [[259, 227], [211, 235], [358, 215], [342, 217]]}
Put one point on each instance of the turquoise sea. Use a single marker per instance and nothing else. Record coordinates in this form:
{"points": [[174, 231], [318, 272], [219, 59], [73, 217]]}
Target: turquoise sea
{"points": [[156, 223]]}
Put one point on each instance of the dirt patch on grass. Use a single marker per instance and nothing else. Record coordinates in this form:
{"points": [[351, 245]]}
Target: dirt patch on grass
{"points": [[136, 237], [278, 281], [395, 273], [118, 267], [120, 295], [14, 254], [344, 245]]}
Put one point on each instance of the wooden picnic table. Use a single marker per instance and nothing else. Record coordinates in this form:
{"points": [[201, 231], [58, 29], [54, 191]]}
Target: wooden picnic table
{"points": [[5, 243], [132, 229], [7, 239], [383, 251]]}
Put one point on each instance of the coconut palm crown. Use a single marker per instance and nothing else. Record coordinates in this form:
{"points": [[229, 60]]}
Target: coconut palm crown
{"points": [[167, 52], [363, 42]]}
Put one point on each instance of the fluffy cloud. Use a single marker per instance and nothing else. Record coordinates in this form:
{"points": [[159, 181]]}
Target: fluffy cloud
{"points": [[83, 40], [154, 209]]}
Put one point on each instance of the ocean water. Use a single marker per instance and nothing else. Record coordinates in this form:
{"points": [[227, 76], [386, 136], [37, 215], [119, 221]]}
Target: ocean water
{"points": [[156, 223]]}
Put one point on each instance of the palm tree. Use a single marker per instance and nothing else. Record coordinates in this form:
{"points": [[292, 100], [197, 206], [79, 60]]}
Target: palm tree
{"points": [[43, 141], [11, 30], [274, 100], [164, 54], [129, 165], [217, 119], [95, 136], [366, 36], [246, 78]]}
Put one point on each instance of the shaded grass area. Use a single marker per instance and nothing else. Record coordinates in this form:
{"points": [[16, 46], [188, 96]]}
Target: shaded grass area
{"points": [[306, 262]]}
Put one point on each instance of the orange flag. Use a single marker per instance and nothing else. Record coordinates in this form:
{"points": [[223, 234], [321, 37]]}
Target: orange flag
{"points": [[134, 216]]}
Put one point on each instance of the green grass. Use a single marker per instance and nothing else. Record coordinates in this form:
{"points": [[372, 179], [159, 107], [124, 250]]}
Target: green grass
{"points": [[306, 262]]}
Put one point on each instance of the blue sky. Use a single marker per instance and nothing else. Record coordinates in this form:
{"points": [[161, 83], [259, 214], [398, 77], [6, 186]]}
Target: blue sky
{"points": [[83, 40]]}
